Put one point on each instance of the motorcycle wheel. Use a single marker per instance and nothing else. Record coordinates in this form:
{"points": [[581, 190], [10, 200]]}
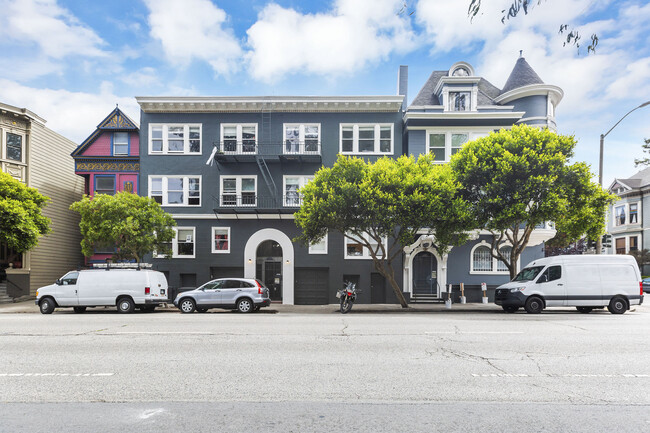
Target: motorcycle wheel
{"points": [[346, 305]]}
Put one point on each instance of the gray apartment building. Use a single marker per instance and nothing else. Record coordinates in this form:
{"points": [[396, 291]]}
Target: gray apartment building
{"points": [[228, 170]]}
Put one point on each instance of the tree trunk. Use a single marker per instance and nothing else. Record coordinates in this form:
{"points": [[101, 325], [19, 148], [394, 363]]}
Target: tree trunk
{"points": [[390, 276], [514, 259]]}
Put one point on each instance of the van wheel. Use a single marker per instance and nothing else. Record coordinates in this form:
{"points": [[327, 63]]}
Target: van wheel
{"points": [[47, 305], [125, 305], [584, 310], [79, 309], [617, 305], [534, 305], [187, 305], [510, 308], [245, 305]]}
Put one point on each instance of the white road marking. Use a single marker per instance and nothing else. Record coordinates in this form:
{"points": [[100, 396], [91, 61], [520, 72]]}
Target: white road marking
{"points": [[560, 375], [473, 332], [55, 374], [160, 333], [149, 413]]}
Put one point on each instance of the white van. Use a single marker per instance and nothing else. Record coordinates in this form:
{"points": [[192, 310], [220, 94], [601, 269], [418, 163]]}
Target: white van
{"points": [[585, 282], [125, 288]]}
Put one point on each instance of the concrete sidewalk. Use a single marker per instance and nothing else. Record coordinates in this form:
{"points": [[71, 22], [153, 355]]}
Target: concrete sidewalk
{"points": [[30, 307]]}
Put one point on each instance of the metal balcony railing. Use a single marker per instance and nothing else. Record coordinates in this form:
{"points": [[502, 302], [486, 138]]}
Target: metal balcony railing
{"points": [[250, 147], [252, 201]]}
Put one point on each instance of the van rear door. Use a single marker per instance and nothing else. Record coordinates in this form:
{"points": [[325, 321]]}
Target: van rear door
{"points": [[157, 284], [618, 279]]}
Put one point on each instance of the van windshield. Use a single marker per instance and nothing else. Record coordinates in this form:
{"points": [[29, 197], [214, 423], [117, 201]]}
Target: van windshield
{"points": [[528, 274]]}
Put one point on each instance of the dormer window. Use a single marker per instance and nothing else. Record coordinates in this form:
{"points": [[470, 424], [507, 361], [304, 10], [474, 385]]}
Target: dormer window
{"points": [[459, 101]]}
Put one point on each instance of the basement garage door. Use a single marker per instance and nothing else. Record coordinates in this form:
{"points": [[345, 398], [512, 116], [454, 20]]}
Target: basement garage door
{"points": [[311, 286]]}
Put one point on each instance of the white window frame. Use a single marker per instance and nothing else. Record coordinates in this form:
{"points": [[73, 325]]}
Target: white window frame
{"points": [[214, 250], [240, 137], [495, 261], [355, 138], [3, 147], [238, 190], [128, 139], [324, 242], [165, 138], [627, 243], [626, 208], [175, 243], [365, 254], [303, 180], [472, 134], [473, 98], [301, 138], [186, 189]]}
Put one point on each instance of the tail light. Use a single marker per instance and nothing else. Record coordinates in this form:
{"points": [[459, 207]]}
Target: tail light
{"points": [[259, 288], [349, 293], [641, 288], [147, 290]]}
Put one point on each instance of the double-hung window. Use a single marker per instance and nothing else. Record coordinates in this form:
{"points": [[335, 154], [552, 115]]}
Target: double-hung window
{"points": [[620, 215], [14, 147], [220, 240], [238, 191], [319, 247], [175, 139], [175, 190], [372, 139], [627, 213], [183, 243], [459, 101], [238, 138], [300, 139], [291, 186], [358, 250], [105, 184], [443, 144], [120, 143]]}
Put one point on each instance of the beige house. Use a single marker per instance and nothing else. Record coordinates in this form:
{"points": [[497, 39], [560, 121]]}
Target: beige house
{"points": [[39, 157]]}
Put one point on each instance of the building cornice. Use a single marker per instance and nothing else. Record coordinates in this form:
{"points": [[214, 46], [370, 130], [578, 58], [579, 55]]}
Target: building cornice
{"points": [[225, 104], [465, 115], [22, 112], [455, 80], [554, 92]]}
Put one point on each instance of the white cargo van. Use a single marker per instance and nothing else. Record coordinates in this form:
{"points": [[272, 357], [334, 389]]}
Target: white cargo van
{"points": [[125, 288], [585, 282]]}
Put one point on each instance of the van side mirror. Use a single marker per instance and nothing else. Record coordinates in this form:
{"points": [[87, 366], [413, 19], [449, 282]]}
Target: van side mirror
{"points": [[58, 282]]}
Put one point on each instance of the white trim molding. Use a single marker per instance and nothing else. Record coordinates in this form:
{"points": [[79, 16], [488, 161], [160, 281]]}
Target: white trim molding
{"points": [[250, 259]]}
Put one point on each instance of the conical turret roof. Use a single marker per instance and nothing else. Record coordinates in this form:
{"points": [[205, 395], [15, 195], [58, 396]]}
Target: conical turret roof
{"points": [[522, 75]]}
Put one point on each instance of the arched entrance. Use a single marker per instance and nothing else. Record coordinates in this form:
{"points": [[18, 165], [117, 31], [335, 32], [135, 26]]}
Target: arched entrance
{"points": [[425, 274], [269, 267], [278, 245]]}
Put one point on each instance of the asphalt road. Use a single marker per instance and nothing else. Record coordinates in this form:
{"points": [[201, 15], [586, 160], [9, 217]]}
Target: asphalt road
{"points": [[473, 370]]}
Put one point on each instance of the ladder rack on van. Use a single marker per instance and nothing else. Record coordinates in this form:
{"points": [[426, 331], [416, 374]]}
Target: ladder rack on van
{"points": [[109, 266]]}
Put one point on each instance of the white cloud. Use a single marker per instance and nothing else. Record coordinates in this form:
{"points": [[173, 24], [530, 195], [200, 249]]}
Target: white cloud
{"points": [[355, 33], [52, 28], [194, 29], [72, 114]]}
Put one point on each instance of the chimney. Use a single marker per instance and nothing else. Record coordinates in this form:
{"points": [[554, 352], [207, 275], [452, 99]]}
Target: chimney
{"points": [[402, 84]]}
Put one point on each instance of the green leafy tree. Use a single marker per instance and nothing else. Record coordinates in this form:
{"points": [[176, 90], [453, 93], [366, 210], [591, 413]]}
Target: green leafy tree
{"points": [[21, 219], [134, 225], [517, 179], [646, 149], [384, 206], [642, 258]]}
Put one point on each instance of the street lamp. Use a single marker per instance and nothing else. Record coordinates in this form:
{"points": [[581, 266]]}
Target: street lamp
{"points": [[599, 242]]}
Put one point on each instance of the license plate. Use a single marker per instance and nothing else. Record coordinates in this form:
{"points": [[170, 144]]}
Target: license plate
{"points": [[338, 295]]}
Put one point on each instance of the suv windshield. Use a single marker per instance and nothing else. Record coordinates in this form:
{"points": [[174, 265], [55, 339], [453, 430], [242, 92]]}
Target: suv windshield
{"points": [[528, 274]]}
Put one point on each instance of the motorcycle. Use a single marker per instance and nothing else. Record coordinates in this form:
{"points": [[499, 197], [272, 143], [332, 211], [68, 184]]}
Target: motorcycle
{"points": [[347, 295]]}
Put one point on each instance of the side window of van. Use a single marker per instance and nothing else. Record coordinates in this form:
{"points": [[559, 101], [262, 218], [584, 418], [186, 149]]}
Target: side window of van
{"points": [[70, 278], [552, 273]]}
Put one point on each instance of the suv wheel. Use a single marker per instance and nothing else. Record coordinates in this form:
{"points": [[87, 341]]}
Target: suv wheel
{"points": [[245, 305], [187, 305]]}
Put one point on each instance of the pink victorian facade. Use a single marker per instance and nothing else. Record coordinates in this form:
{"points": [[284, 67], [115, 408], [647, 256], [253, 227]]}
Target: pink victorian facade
{"points": [[109, 161]]}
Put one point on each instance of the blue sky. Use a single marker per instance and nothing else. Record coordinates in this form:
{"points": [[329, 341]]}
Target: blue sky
{"points": [[71, 61]]}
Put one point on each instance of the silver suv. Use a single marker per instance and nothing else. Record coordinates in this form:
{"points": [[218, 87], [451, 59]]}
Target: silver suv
{"points": [[243, 294]]}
